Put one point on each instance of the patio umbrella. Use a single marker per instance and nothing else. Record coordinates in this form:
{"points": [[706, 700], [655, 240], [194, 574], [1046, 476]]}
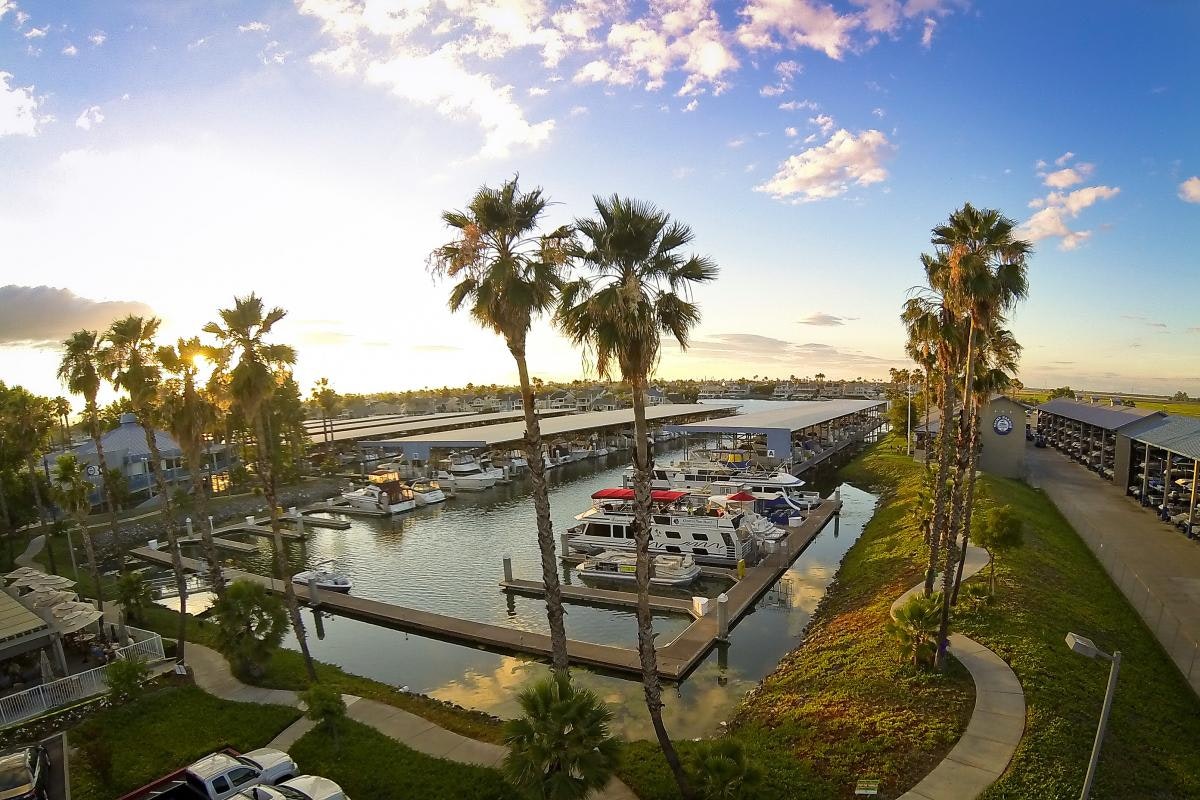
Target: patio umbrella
{"points": [[64, 610], [78, 621], [21, 572], [50, 598], [742, 497], [51, 582], [30, 578], [47, 671]]}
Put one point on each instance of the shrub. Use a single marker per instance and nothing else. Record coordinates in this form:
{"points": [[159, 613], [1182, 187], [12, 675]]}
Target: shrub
{"points": [[915, 627], [125, 677], [251, 624], [720, 770]]}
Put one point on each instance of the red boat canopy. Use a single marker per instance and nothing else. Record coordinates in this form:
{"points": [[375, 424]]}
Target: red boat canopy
{"points": [[742, 497], [627, 494]]}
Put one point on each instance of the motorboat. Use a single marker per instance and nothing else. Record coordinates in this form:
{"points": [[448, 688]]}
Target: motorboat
{"points": [[426, 491], [389, 497], [614, 565], [463, 472], [499, 474], [324, 578], [581, 450], [683, 524]]}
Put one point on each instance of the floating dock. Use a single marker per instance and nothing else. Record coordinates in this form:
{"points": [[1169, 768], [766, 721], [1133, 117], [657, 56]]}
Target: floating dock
{"points": [[224, 544], [602, 597], [706, 570], [675, 659]]}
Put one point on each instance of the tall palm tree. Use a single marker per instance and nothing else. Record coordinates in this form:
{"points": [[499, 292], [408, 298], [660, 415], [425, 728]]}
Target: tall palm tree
{"points": [[73, 493], [62, 410], [34, 420], [189, 415], [79, 370], [128, 362], [252, 382], [508, 275], [327, 400], [638, 291]]}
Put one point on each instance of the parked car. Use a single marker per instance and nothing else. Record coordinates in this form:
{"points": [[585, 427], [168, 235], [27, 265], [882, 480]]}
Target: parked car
{"points": [[221, 775], [23, 773], [305, 787], [1039, 441]]}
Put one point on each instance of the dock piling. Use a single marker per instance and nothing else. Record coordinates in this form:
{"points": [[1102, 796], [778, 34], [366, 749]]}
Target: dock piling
{"points": [[250, 521], [722, 616], [211, 527], [314, 595], [508, 569], [188, 522]]}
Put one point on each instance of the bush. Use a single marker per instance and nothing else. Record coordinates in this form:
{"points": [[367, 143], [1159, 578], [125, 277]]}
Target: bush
{"points": [[125, 677], [324, 704], [915, 627], [720, 770], [133, 594], [251, 624]]}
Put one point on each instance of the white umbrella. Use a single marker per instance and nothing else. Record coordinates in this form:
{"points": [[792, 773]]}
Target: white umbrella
{"points": [[47, 671], [64, 610], [21, 572], [50, 598], [51, 582], [30, 578], [78, 621]]}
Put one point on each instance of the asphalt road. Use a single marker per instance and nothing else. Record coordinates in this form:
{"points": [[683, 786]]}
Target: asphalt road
{"points": [[56, 784]]}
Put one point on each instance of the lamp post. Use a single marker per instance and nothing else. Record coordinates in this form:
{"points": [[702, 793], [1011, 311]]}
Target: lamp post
{"points": [[908, 428], [1086, 647]]}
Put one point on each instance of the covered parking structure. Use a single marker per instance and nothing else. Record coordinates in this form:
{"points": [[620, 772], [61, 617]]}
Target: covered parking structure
{"points": [[1158, 461], [1087, 432], [797, 435], [418, 448]]}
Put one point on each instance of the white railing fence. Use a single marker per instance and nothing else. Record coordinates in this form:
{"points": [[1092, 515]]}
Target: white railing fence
{"points": [[21, 706]]}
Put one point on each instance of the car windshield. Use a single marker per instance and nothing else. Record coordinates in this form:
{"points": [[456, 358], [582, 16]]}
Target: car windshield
{"points": [[13, 776], [290, 793], [249, 762]]}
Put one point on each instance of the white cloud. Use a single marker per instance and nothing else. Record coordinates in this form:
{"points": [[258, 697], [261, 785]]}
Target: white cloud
{"points": [[1062, 160], [829, 170], [538, 91], [879, 112], [824, 122], [6, 6], [736, 142], [927, 33], [70, 50], [254, 27], [679, 173], [89, 117], [98, 38], [577, 111], [1189, 190], [786, 70], [797, 105], [691, 106], [791, 133], [1069, 176], [18, 109], [37, 33], [196, 45], [773, 24]]}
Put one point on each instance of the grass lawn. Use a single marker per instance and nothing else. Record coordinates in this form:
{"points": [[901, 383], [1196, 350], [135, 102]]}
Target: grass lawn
{"points": [[841, 707], [164, 730], [286, 670], [1048, 587], [371, 766]]}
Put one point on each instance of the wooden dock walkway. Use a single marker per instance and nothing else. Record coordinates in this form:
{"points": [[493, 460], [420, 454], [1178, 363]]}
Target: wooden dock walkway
{"points": [[312, 521], [257, 529], [676, 659], [224, 544], [602, 597]]}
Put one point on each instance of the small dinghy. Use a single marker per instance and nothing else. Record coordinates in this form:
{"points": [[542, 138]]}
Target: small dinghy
{"points": [[669, 570], [324, 578]]}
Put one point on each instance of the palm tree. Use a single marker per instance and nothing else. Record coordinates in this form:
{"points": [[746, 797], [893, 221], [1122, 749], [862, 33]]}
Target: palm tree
{"points": [[638, 291], [62, 410], [33, 416], [128, 363], [189, 415], [561, 748], [508, 275], [252, 383], [724, 771], [74, 495], [327, 400], [914, 625], [79, 370]]}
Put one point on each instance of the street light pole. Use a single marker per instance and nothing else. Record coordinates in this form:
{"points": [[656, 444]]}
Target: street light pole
{"points": [[908, 391], [1086, 647], [1115, 658]]}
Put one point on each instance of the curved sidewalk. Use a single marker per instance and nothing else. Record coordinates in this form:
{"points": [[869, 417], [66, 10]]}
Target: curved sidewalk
{"points": [[212, 674], [996, 725]]}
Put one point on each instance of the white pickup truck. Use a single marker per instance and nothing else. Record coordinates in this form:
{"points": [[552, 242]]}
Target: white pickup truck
{"points": [[221, 776]]}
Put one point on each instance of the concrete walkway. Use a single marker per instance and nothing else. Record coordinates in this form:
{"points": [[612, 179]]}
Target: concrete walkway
{"points": [[1156, 567], [996, 724], [212, 674]]}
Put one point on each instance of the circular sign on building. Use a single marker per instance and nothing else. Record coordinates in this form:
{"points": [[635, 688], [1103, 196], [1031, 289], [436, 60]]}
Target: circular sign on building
{"points": [[92, 470], [1003, 425]]}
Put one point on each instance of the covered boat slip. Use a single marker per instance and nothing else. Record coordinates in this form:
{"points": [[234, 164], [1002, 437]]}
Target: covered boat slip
{"points": [[1158, 461], [418, 447], [797, 435], [1087, 432], [350, 430]]}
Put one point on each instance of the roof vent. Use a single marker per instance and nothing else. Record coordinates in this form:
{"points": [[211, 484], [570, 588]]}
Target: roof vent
{"points": [[128, 418]]}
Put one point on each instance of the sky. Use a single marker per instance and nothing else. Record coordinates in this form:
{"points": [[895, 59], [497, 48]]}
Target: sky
{"points": [[161, 158]]}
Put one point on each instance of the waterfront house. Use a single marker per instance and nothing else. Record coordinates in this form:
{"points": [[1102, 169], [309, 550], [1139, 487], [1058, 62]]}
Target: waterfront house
{"points": [[511, 401], [656, 397]]}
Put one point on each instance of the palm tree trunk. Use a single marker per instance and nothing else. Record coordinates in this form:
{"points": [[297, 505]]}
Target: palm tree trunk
{"points": [[215, 576], [963, 464], [642, 467], [89, 547], [110, 503], [928, 403], [267, 476], [37, 494], [541, 507], [969, 505], [8, 528], [168, 516], [943, 477]]}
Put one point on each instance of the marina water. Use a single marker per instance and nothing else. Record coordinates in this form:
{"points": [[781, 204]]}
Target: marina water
{"points": [[447, 559]]}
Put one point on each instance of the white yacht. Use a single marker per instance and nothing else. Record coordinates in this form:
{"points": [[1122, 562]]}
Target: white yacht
{"points": [[613, 565], [427, 492], [324, 578], [463, 473], [390, 497], [581, 450], [683, 524]]}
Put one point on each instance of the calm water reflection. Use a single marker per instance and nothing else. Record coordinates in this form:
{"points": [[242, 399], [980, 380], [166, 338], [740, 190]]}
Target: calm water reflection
{"points": [[447, 559]]}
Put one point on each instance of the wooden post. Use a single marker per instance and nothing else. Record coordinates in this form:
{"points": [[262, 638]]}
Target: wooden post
{"points": [[722, 616], [508, 569]]}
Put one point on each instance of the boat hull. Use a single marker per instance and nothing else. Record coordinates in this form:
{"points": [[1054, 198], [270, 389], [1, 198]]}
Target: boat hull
{"points": [[624, 577]]}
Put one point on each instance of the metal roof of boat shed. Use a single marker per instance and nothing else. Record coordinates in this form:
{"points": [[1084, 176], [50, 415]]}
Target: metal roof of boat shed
{"points": [[1107, 417], [512, 432], [1178, 434], [408, 426], [790, 416]]}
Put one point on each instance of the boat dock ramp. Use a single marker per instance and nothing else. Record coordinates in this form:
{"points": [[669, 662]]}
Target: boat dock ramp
{"points": [[676, 659]]}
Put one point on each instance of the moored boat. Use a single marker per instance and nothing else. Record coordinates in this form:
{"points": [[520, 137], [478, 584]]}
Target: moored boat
{"points": [[427, 492], [388, 497], [463, 472], [613, 565], [323, 577]]}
